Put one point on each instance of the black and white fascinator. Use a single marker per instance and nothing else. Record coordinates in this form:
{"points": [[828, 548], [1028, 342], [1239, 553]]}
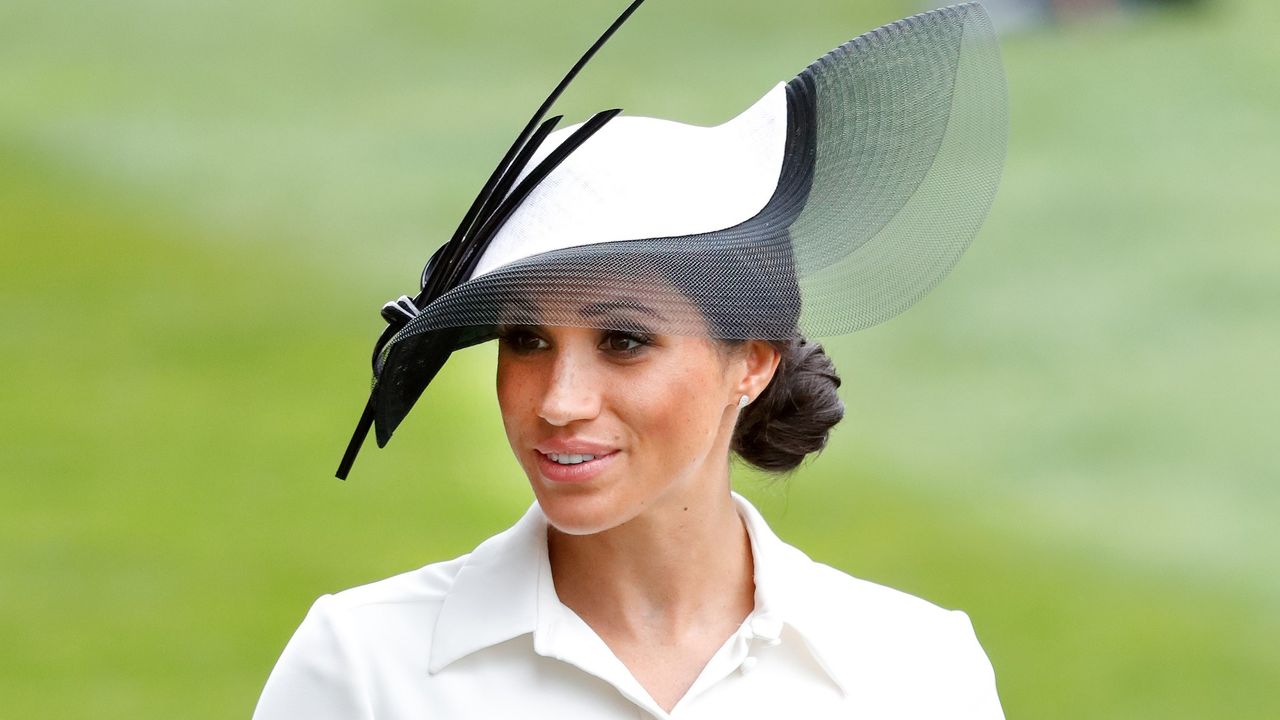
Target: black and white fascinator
{"points": [[834, 202]]}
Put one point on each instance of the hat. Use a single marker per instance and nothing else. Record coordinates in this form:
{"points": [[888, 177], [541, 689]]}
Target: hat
{"points": [[832, 203]]}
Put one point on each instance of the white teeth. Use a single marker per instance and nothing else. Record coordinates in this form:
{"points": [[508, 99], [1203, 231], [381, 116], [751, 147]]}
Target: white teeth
{"points": [[570, 459]]}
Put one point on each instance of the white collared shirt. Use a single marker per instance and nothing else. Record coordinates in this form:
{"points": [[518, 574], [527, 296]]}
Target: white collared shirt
{"points": [[485, 636]]}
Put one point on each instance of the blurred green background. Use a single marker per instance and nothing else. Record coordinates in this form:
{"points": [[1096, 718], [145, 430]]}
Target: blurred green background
{"points": [[203, 205]]}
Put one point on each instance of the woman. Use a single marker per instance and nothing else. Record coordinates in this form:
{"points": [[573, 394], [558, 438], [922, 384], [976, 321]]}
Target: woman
{"points": [[651, 284]]}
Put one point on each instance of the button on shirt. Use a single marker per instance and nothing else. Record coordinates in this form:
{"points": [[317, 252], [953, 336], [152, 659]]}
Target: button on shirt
{"points": [[485, 636]]}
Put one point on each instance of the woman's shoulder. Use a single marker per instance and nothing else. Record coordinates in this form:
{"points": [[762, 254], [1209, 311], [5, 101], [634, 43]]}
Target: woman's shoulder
{"points": [[424, 584], [873, 620], [838, 602], [413, 596], [508, 552], [364, 637], [841, 591], [378, 628]]}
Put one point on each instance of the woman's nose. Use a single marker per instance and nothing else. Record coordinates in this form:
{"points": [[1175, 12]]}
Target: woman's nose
{"points": [[572, 391]]}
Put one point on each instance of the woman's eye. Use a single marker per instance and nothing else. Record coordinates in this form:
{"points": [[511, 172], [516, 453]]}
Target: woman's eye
{"points": [[623, 343], [523, 341]]}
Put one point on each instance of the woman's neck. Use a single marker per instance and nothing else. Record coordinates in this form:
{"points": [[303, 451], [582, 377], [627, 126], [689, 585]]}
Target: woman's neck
{"points": [[680, 568]]}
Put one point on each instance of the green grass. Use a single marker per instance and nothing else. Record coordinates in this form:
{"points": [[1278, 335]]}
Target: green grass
{"points": [[201, 209]]}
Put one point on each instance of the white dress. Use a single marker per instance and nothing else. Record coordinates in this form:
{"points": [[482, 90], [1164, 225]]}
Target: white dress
{"points": [[485, 636]]}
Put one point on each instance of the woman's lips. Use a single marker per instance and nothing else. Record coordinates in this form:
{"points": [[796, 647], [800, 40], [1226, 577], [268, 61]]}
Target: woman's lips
{"points": [[577, 473]]}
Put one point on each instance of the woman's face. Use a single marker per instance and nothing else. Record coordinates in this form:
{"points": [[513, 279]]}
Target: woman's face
{"points": [[608, 423]]}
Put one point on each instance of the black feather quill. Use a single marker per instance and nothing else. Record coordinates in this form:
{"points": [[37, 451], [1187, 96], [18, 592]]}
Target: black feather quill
{"points": [[453, 263]]}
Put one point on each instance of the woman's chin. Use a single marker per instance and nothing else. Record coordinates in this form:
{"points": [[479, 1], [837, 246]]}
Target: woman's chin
{"points": [[579, 510]]}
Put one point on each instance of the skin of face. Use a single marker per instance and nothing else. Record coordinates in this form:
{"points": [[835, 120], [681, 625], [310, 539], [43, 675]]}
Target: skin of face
{"points": [[662, 407]]}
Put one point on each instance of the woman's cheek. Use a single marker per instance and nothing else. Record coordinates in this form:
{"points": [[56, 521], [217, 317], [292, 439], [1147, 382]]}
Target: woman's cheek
{"points": [[666, 411], [516, 399]]}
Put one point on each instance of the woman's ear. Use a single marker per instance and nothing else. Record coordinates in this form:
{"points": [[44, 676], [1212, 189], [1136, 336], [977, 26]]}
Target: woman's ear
{"points": [[760, 362]]}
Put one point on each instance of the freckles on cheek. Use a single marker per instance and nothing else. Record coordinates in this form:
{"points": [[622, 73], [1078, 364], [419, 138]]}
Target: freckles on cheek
{"points": [[513, 399]]}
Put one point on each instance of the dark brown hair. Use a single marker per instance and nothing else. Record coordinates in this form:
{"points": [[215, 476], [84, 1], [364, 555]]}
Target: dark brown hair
{"points": [[794, 415]]}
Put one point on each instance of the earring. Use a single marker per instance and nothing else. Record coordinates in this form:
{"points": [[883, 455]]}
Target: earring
{"points": [[744, 401]]}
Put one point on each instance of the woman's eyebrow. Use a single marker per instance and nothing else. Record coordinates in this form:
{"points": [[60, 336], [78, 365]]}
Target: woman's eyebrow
{"points": [[603, 308]]}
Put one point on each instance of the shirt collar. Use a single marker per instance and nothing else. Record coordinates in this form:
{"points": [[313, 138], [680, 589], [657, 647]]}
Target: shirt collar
{"points": [[495, 595], [789, 591]]}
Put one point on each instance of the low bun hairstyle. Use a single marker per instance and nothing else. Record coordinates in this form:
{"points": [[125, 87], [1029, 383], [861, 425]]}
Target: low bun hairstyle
{"points": [[794, 415]]}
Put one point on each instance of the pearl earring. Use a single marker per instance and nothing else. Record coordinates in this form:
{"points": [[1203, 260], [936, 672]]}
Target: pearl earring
{"points": [[744, 401]]}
